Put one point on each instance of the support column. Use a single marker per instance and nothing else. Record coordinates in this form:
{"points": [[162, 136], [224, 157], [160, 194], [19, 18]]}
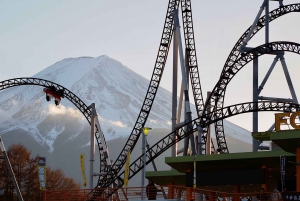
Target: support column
{"points": [[199, 140], [212, 196], [268, 74], [267, 22], [237, 190], [266, 184], [298, 170], [255, 142], [174, 89], [208, 135], [170, 191], [184, 80], [92, 148], [288, 79], [144, 163], [253, 26]]}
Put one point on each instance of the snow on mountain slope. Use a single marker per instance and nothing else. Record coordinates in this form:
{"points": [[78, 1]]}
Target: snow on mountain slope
{"points": [[117, 91]]}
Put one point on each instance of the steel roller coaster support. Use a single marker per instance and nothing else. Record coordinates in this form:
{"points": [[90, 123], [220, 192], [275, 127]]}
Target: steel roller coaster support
{"points": [[217, 99]]}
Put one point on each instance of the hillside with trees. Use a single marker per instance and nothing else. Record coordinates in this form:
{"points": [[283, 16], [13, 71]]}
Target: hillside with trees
{"points": [[26, 172]]}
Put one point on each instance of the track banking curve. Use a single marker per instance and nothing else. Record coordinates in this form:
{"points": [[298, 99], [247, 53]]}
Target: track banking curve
{"points": [[216, 98], [83, 108]]}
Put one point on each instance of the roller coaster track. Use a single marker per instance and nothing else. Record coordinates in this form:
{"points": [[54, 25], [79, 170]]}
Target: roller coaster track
{"points": [[151, 92], [156, 77], [87, 113], [227, 75], [207, 119], [188, 28], [219, 114], [217, 98], [191, 54]]}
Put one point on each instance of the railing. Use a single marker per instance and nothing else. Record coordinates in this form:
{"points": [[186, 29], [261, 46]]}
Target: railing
{"points": [[129, 193], [173, 193], [195, 194]]}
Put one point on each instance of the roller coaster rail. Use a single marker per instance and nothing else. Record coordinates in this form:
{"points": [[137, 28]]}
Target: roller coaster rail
{"points": [[205, 120], [151, 92], [235, 53], [217, 112], [83, 108], [157, 74], [216, 98], [227, 75]]}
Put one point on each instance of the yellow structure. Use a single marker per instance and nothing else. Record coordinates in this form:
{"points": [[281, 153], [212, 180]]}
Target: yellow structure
{"points": [[82, 169]]}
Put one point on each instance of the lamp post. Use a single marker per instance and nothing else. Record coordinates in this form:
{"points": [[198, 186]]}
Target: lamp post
{"points": [[145, 131]]}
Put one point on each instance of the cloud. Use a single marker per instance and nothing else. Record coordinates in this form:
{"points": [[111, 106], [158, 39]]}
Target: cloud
{"points": [[5, 116], [153, 121], [60, 110], [169, 123], [117, 123]]}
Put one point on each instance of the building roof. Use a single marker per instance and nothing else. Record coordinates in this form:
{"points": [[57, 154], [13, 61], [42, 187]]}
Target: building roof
{"points": [[288, 140]]}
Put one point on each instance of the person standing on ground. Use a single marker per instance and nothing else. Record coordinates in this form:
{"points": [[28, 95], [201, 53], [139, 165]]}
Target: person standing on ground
{"points": [[275, 196], [151, 190], [262, 196]]}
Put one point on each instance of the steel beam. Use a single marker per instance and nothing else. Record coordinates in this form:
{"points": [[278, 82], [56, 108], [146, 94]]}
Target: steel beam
{"points": [[184, 79], [174, 90], [10, 170], [245, 42], [275, 99], [92, 146], [261, 86], [255, 142], [288, 79]]}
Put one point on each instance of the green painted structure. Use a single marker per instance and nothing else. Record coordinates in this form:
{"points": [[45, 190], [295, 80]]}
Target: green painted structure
{"points": [[266, 161]]}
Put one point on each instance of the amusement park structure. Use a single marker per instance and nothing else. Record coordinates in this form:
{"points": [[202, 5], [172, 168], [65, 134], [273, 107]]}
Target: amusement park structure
{"points": [[194, 132]]}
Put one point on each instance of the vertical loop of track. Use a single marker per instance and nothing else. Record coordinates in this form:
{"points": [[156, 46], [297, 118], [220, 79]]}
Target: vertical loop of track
{"points": [[218, 94]]}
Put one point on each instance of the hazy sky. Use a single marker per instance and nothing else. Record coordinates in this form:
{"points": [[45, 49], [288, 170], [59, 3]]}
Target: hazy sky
{"points": [[36, 34]]}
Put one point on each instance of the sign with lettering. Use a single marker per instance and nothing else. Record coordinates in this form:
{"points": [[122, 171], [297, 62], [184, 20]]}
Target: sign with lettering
{"points": [[281, 118], [42, 177], [42, 172]]}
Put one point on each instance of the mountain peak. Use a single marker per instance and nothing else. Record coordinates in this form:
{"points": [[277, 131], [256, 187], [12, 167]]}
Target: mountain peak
{"points": [[117, 91]]}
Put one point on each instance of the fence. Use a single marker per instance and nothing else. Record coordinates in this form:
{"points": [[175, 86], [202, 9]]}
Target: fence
{"points": [[172, 193]]}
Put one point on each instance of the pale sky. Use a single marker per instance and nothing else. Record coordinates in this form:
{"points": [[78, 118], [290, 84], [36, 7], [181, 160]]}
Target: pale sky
{"points": [[36, 34]]}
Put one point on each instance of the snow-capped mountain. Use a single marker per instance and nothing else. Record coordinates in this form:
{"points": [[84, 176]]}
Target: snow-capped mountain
{"points": [[117, 91]]}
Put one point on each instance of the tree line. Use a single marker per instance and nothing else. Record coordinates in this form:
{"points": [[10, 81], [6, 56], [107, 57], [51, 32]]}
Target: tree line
{"points": [[25, 169]]}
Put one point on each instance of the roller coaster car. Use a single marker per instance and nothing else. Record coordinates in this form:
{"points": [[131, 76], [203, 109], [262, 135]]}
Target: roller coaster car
{"points": [[52, 93]]}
